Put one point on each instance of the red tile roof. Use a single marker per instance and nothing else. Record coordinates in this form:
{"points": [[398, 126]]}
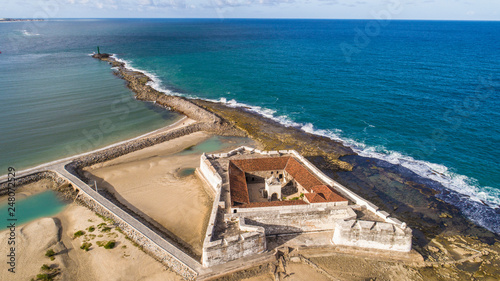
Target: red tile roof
{"points": [[301, 174], [262, 164], [273, 203], [318, 192], [326, 193], [237, 185], [314, 198]]}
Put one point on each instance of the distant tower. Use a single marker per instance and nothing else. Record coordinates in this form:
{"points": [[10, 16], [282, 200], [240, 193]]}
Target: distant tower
{"points": [[98, 51]]}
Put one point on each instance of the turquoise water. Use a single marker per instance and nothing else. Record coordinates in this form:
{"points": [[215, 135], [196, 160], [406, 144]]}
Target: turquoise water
{"points": [[423, 94], [40, 205], [210, 145], [56, 101]]}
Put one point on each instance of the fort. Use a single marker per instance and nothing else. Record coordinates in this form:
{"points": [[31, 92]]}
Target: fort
{"points": [[260, 197], [271, 193]]}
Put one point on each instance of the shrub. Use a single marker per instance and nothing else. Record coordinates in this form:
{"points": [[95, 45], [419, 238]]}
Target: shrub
{"points": [[110, 245], [106, 229], [91, 228], [45, 267], [86, 246], [50, 253], [45, 277], [78, 233]]}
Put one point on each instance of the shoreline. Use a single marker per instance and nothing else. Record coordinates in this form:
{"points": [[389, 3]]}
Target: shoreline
{"points": [[470, 208], [391, 187], [173, 126]]}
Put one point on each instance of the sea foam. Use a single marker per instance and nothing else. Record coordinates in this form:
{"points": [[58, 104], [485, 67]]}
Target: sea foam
{"points": [[476, 202]]}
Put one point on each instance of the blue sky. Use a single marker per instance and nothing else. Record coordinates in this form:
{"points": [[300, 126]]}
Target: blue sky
{"points": [[327, 9]]}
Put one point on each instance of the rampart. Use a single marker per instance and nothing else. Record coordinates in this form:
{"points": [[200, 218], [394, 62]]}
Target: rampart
{"points": [[391, 234], [248, 241], [369, 234], [294, 219]]}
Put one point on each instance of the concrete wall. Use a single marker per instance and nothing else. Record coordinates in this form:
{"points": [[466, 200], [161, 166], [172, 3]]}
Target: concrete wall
{"points": [[376, 235], [294, 220], [251, 241], [209, 173], [146, 244]]}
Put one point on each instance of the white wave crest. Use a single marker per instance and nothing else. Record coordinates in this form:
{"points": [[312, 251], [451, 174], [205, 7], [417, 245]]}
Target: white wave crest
{"points": [[27, 33], [439, 173], [155, 82]]}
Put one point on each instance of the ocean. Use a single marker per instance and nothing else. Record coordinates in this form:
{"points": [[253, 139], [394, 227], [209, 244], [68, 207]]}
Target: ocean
{"points": [[423, 94]]}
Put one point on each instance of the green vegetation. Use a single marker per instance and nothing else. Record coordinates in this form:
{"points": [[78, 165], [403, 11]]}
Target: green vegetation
{"points": [[110, 245], [45, 267], [78, 233], [91, 228], [86, 246], [106, 244], [106, 229], [50, 253], [44, 277], [105, 218]]}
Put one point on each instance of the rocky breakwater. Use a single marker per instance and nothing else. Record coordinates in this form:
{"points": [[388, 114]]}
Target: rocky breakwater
{"points": [[139, 83]]}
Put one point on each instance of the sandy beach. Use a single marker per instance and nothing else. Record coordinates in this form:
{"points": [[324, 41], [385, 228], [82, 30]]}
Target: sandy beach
{"points": [[159, 182], [124, 262]]}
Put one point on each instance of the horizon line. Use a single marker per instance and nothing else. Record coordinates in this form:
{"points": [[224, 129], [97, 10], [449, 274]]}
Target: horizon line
{"points": [[244, 18]]}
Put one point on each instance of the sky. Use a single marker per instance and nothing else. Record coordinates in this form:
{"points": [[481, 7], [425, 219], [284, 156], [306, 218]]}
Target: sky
{"points": [[323, 9]]}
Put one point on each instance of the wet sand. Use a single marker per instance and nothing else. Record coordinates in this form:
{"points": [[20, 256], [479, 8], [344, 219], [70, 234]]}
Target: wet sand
{"points": [[31, 189], [159, 181], [124, 262]]}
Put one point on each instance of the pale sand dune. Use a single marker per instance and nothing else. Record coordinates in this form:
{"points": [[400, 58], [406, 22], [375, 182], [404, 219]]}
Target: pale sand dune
{"points": [[120, 263], [148, 180]]}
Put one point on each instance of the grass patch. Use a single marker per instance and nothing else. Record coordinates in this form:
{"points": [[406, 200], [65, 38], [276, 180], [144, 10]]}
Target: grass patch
{"points": [[78, 234], [106, 229], [91, 228], [44, 277], [45, 267], [110, 245], [86, 246], [50, 253]]}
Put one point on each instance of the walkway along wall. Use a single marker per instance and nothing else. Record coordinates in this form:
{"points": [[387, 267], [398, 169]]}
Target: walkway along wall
{"points": [[150, 241], [251, 239]]}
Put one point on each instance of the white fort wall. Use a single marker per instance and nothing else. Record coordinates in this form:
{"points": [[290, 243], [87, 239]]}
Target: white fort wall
{"points": [[286, 221], [251, 241], [391, 234], [209, 173], [375, 235]]}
